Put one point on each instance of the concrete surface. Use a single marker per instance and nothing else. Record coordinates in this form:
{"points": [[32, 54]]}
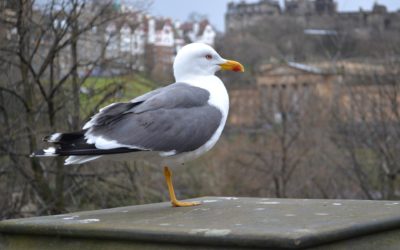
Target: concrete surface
{"points": [[219, 223]]}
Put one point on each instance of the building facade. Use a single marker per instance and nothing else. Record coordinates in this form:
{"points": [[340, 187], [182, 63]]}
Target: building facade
{"points": [[280, 90], [135, 41], [357, 91], [315, 14], [146, 43]]}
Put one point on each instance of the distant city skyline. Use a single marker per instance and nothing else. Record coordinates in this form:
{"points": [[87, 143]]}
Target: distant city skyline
{"points": [[215, 9]]}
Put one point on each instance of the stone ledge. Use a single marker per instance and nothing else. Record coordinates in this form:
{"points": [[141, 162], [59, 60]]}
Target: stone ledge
{"points": [[219, 222]]}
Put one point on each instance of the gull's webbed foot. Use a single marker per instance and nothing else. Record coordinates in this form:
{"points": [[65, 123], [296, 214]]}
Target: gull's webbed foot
{"points": [[174, 201]]}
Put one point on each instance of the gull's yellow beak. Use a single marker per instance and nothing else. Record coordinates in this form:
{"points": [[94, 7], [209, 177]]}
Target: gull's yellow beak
{"points": [[232, 65]]}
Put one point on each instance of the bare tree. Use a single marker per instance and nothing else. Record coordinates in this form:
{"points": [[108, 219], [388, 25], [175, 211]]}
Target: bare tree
{"points": [[368, 128], [40, 54]]}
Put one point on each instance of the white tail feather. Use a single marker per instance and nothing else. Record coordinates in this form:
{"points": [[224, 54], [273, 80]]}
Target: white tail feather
{"points": [[75, 159], [54, 137]]}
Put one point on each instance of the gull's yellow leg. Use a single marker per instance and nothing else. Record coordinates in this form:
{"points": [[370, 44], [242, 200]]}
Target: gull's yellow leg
{"points": [[174, 201]]}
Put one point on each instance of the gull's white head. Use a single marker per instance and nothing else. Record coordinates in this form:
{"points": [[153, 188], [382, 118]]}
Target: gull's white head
{"points": [[199, 59]]}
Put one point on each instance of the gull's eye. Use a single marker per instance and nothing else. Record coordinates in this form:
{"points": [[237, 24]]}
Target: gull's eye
{"points": [[208, 57]]}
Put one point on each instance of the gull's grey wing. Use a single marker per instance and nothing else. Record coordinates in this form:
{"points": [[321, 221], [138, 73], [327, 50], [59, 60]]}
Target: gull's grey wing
{"points": [[174, 118]]}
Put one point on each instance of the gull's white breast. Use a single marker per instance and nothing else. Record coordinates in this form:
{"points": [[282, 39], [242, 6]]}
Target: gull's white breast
{"points": [[218, 98]]}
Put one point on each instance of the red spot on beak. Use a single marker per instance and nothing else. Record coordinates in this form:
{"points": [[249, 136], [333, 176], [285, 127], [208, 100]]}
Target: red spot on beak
{"points": [[237, 68]]}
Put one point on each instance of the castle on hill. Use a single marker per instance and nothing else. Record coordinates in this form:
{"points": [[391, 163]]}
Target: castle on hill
{"points": [[313, 14]]}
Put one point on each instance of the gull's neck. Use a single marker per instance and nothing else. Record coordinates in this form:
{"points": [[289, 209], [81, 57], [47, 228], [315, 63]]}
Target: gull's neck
{"points": [[190, 78]]}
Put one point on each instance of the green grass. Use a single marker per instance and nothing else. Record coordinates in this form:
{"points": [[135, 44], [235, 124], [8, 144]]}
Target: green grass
{"points": [[106, 90]]}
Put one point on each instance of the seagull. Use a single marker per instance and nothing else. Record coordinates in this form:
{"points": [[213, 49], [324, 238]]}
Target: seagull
{"points": [[172, 124]]}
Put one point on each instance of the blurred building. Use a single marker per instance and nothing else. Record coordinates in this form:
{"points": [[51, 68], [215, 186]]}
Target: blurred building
{"points": [[312, 14], [146, 43], [356, 89], [241, 15], [279, 91], [8, 18], [307, 7], [134, 41]]}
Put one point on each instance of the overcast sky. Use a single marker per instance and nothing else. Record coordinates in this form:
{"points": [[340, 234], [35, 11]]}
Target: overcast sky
{"points": [[215, 9]]}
